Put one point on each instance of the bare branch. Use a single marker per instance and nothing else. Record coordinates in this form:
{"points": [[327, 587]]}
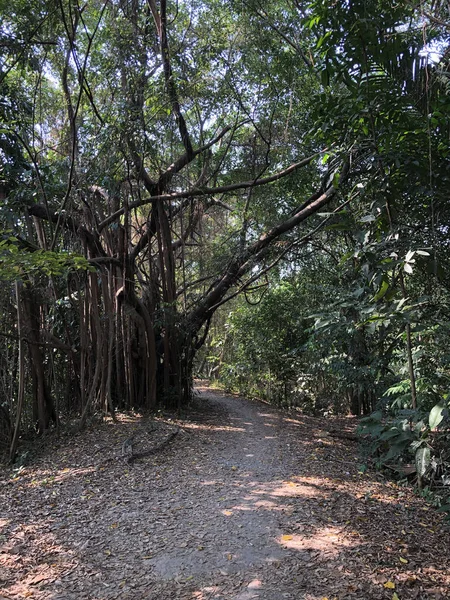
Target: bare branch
{"points": [[161, 27], [73, 112], [183, 161], [208, 191], [437, 21]]}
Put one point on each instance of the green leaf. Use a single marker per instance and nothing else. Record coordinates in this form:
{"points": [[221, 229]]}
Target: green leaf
{"points": [[423, 459], [407, 268], [436, 415], [416, 445], [382, 291], [396, 450], [373, 419], [390, 434], [322, 39]]}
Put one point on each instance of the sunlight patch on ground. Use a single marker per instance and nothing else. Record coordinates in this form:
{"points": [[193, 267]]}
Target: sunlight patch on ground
{"points": [[324, 483], [328, 539], [209, 427], [292, 489], [268, 504], [122, 419], [45, 478], [293, 421], [270, 496], [243, 507], [206, 593], [24, 545], [375, 492], [259, 499]]}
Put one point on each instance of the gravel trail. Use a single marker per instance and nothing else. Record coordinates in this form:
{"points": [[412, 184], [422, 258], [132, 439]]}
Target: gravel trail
{"points": [[246, 502]]}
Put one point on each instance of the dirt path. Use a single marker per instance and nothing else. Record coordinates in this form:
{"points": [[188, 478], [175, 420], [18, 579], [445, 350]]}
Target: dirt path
{"points": [[245, 503]]}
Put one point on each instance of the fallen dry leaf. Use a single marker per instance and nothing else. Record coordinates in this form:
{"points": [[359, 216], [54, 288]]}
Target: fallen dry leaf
{"points": [[158, 527]]}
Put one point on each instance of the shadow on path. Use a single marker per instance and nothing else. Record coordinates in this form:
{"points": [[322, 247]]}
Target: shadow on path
{"points": [[248, 502]]}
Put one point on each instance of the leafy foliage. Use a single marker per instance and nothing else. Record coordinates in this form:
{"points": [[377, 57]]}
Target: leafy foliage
{"points": [[368, 293]]}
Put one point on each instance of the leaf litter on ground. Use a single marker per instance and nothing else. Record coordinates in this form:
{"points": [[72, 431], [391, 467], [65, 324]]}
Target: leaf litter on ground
{"points": [[246, 493]]}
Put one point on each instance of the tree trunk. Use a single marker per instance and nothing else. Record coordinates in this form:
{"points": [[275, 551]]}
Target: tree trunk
{"points": [[21, 389], [45, 410]]}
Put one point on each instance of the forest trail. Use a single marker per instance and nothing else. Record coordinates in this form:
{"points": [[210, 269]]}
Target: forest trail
{"points": [[246, 502]]}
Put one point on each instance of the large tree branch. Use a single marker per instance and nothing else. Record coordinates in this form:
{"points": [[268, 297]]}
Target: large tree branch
{"points": [[207, 191], [166, 177], [437, 21], [161, 27], [157, 187], [70, 224], [290, 246], [52, 342], [151, 227], [243, 262], [149, 183]]}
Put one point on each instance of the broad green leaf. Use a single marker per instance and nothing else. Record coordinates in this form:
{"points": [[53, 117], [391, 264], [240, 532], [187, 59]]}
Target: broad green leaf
{"points": [[416, 445], [407, 268], [390, 434], [382, 291], [423, 459], [396, 450], [436, 415]]}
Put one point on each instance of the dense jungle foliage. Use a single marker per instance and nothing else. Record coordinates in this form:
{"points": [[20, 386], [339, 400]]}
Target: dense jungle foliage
{"points": [[256, 192]]}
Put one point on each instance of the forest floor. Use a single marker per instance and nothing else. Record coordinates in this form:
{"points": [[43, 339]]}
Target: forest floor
{"points": [[245, 502]]}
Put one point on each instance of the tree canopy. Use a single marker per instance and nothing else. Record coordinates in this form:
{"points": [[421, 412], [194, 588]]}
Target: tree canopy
{"points": [[162, 159]]}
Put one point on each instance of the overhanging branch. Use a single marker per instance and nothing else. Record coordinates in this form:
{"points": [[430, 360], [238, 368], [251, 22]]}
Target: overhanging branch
{"points": [[295, 244], [242, 263], [206, 191]]}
